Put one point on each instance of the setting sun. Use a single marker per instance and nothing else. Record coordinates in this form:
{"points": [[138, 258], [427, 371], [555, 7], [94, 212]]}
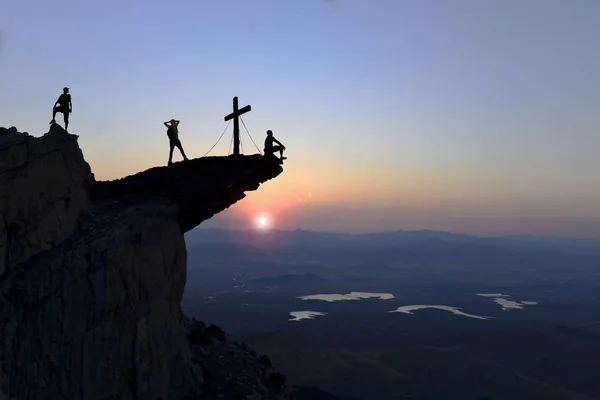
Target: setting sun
{"points": [[262, 222]]}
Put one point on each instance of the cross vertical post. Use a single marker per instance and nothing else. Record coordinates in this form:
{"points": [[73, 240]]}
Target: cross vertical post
{"points": [[235, 115], [236, 128]]}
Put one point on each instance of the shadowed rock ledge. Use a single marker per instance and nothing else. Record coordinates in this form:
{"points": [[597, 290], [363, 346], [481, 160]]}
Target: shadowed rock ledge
{"points": [[199, 188], [92, 275]]}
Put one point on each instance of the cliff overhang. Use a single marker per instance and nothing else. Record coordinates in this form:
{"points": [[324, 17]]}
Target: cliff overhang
{"points": [[199, 188]]}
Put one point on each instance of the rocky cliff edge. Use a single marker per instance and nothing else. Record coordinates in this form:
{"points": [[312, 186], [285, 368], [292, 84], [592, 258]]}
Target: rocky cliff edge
{"points": [[92, 275]]}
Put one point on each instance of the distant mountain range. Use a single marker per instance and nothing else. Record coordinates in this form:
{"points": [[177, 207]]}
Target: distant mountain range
{"points": [[395, 237], [406, 247]]}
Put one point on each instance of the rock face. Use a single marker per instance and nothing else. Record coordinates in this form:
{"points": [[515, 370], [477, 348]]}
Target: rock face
{"points": [[42, 193], [92, 275]]}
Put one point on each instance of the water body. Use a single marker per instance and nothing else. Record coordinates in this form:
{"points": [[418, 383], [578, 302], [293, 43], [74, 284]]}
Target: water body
{"points": [[350, 296], [507, 305], [453, 310], [300, 315], [363, 295], [328, 297]]}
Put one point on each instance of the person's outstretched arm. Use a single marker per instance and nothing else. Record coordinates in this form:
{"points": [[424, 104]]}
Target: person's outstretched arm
{"points": [[278, 142]]}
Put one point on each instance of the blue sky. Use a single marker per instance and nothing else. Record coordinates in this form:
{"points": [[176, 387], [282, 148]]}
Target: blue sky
{"points": [[396, 113]]}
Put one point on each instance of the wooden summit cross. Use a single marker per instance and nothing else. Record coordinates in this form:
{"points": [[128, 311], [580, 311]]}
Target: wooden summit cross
{"points": [[236, 124]]}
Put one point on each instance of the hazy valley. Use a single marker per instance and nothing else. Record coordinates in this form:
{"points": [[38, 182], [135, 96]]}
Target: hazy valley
{"points": [[419, 315]]}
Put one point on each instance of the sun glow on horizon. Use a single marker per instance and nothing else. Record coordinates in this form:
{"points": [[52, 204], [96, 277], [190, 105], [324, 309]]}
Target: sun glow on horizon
{"points": [[263, 222]]}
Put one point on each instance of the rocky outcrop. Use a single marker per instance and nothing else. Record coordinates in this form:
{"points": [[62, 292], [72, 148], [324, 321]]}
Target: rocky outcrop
{"points": [[42, 193], [92, 275]]}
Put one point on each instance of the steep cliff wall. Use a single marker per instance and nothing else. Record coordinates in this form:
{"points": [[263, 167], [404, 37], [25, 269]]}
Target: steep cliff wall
{"points": [[92, 275]]}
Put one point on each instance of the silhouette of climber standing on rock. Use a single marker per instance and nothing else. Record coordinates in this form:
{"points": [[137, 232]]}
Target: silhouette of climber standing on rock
{"points": [[63, 105], [270, 149], [173, 134]]}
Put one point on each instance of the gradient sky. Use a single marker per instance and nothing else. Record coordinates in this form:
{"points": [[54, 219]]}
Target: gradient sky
{"points": [[466, 115]]}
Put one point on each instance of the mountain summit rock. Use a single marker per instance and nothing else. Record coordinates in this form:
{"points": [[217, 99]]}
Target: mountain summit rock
{"points": [[92, 276]]}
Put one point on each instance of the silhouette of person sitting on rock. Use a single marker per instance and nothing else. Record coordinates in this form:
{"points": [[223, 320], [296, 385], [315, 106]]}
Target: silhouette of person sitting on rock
{"points": [[64, 106], [271, 149], [173, 134]]}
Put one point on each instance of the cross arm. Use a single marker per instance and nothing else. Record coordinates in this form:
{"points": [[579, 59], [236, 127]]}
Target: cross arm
{"points": [[238, 112]]}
